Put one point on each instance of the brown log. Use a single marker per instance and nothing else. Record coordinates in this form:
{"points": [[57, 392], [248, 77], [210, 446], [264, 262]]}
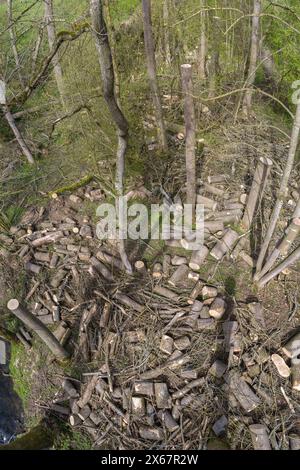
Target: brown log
{"points": [[109, 259], [164, 292], [75, 420], [196, 292], [206, 202], [198, 258], [171, 364], [194, 384], [166, 344], [144, 388], [178, 260], [157, 271], [213, 190], [218, 369], [138, 406], [128, 302], [242, 392], [295, 370], [151, 433], [31, 321], [70, 389], [282, 369], [162, 395], [217, 308], [169, 421], [140, 267], [166, 265], [223, 246], [215, 179], [102, 269], [47, 239], [179, 275], [260, 437]]}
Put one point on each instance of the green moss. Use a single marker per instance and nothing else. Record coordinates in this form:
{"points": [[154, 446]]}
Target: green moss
{"points": [[19, 373]]}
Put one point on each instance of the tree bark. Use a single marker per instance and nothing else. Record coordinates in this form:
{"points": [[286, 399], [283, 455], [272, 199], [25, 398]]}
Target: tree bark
{"points": [[49, 20], [112, 42], [108, 81], [247, 102], [151, 65], [293, 258], [38, 327], [282, 190], [202, 45], [13, 41], [190, 135], [166, 35]]}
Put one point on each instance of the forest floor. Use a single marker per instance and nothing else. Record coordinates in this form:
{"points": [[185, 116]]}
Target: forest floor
{"points": [[112, 353]]}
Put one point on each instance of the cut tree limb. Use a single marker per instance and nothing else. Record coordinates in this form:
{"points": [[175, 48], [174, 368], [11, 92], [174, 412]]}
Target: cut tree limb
{"points": [[38, 327]]}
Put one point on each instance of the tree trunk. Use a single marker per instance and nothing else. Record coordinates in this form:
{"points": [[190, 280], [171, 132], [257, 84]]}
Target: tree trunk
{"points": [[295, 256], [49, 20], [190, 136], [247, 102], [166, 35], [11, 122], [38, 327], [112, 42], [13, 41], [108, 81], [151, 64], [282, 190], [202, 45]]}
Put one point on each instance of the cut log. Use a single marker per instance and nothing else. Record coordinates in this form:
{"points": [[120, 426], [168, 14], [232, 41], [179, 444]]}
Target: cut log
{"points": [[48, 239], [226, 244], [295, 370], [167, 293], [144, 388], [128, 302], [257, 310], [178, 260], [75, 420], [166, 344], [213, 190], [166, 265], [179, 275], [105, 315], [138, 406], [198, 258], [196, 292], [140, 267], [218, 369], [151, 433], [162, 395], [217, 308], [292, 348], [182, 343], [206, 202], [260, 437], [194, 384], [70, 389], [205, 324], [289, 261], [34, 268], [209, 293], [109, 259], [171, 364], [282, 369], [215, 179], [101, 269], [157, 271], [242, 392], [41, 256], [31, 321], [169, 421]]}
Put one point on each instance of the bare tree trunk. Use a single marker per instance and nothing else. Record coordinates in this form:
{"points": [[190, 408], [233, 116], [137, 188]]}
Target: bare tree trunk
{"points": [[112, 42], [190, 139], [282, 190], [295, 256], [151, 64], [167, 49], [49, 20], [13, 41], [247, 102], [11, 122], [37, 46], [38, 327], [202, 46], [108, 81]]}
